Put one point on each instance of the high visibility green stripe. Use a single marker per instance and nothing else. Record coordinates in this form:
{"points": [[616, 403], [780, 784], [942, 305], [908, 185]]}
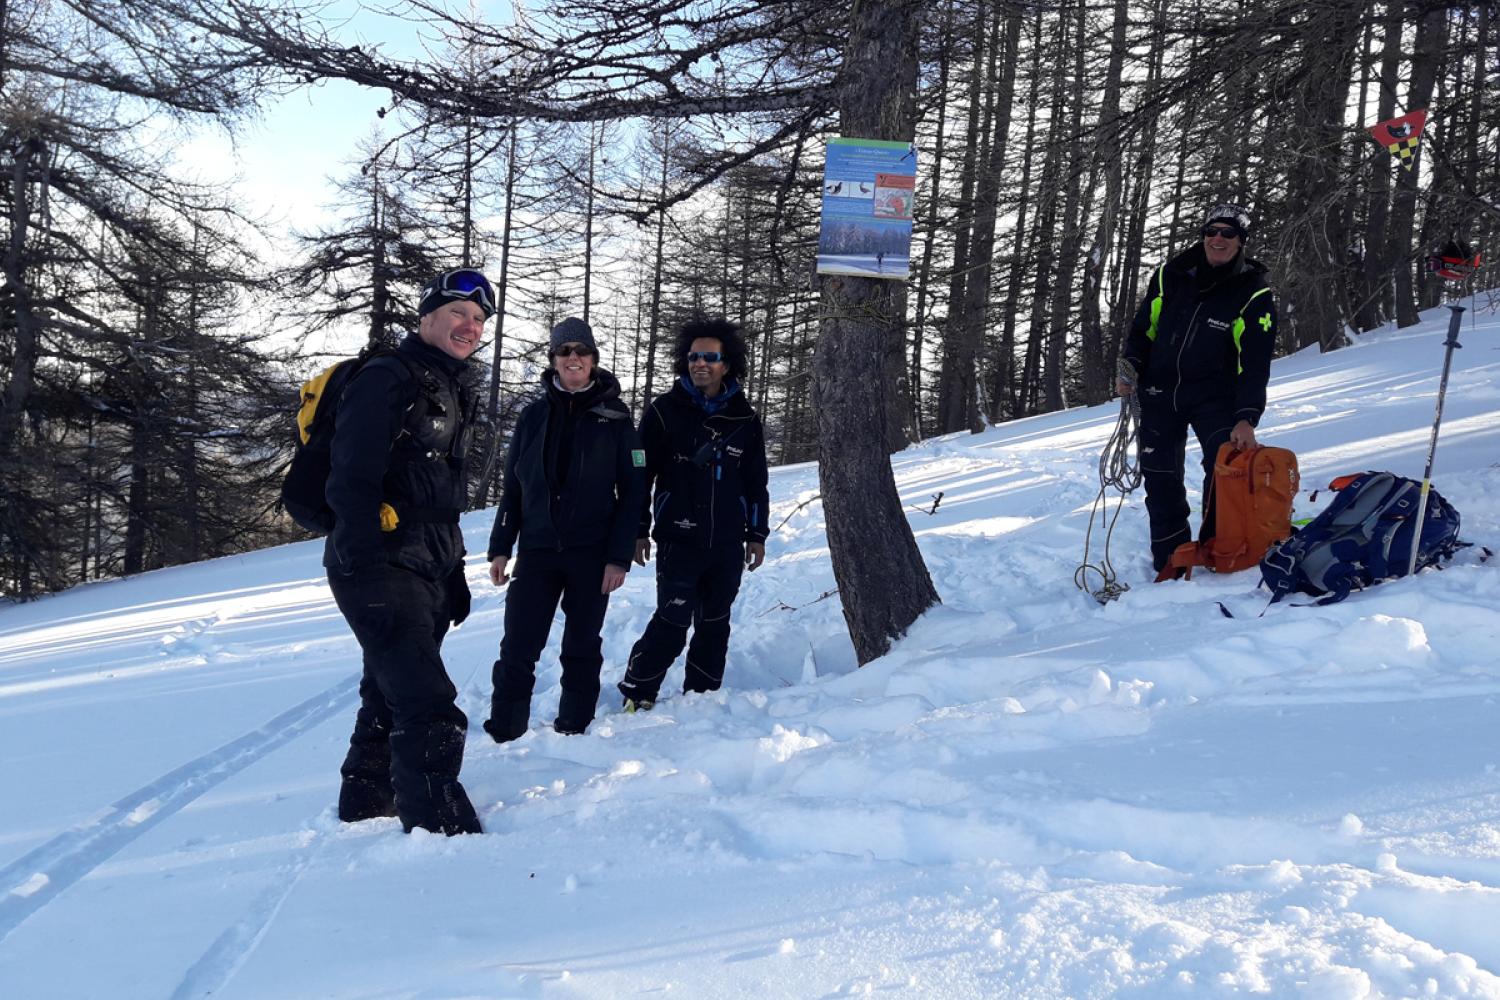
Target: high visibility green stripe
{"points": [[1156, 303], [1238, 330]]}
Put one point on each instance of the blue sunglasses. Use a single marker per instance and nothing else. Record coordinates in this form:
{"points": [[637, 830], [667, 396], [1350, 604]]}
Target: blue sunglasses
{"points": [[712, 357]]}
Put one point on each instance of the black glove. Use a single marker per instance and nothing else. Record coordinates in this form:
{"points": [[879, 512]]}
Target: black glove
{"points": [[459, 600]]}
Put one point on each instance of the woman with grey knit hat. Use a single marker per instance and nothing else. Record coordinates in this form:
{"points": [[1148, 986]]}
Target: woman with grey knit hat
{"points": [[572, 493]]}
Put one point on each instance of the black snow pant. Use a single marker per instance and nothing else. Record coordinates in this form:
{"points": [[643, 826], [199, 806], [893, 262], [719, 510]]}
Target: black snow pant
{"points": [[1163, 443], [408, 741], [543, 577], [694, 587]]}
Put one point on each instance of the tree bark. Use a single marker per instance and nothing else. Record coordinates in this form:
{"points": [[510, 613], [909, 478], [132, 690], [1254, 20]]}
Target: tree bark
{"points": [[27, 328], [956, 370], [1313, 289], [974, 314], [588, 226], [1096, 365], [1067, 238], [1375, 287], [653, 330], [1006, 399], [492, 407], [883, 582], [929, 213], [1432, 32]]}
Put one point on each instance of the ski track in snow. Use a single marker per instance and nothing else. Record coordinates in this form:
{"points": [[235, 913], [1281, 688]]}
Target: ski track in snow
{"points": [[1031, 796], [64, 860], [217, 965]]}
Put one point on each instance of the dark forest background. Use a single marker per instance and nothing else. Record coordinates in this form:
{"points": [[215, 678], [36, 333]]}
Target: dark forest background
{"points": [[633, 162]]}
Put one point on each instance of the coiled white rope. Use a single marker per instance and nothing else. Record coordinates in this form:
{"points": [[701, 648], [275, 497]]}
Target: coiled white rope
{"points": [[1119, 470]]}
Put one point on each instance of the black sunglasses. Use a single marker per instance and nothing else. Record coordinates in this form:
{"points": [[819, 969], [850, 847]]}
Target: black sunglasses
{"points": [[1228, 232], [568, 350], [712, 357]]}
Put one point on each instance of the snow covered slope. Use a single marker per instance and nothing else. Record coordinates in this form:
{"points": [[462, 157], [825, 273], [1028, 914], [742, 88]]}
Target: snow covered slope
{"points": [[1031, 796]]}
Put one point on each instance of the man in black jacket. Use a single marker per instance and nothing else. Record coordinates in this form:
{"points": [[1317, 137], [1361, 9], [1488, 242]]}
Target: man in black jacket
{"points": [[1199, 355], [395, 560], [706, 457], [573, 489]]}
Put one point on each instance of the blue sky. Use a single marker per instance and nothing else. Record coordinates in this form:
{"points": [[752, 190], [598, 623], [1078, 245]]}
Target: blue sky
{"points": [[284, 165]]}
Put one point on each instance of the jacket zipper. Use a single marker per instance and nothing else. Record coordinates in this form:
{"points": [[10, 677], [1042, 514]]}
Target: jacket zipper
{"points": [[1192, 326], [713, 483]]}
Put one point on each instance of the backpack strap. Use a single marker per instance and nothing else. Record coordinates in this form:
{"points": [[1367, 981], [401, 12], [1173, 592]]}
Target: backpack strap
{"points": [[1182, 560], [427, 388]]}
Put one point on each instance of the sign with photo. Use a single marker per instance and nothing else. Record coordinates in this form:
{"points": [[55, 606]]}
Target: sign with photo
{"points": [[869, 189]]}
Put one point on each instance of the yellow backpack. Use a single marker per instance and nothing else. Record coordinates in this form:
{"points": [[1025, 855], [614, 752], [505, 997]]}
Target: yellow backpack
{"points": [[307, 474]]}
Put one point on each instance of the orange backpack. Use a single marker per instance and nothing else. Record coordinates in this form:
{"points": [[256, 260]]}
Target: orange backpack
{"points": [[1253, 511]]}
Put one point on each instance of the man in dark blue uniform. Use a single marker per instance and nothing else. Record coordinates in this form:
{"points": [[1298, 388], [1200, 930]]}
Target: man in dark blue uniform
{"points": [[706, 458], [1199, 356], [395, 559]]}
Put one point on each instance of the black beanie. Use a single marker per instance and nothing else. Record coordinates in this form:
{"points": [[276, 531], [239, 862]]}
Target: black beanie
{"points": [[1227, 211]]}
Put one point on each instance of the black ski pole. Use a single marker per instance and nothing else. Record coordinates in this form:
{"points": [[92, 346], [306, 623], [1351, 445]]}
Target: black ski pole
{"points": [[1449, 344]]}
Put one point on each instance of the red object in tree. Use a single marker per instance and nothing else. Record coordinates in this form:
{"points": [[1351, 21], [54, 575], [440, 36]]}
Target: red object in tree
{"points": [[1454, 262], [1400, 135]]}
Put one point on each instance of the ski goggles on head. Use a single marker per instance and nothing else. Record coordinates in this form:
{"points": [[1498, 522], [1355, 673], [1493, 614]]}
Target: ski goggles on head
{"points": [[1218, 229], [712, 357], [460, 284]]}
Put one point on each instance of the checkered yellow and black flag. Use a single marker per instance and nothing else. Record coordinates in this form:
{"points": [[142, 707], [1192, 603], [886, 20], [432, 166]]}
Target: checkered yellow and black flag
{"points": [[1400, 135]]}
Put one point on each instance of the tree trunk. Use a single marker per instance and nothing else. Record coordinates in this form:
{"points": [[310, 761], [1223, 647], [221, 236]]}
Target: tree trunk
{"points": [[191, 475], [1005, 402], [954, 372], [588, 227], [653, 330], [930, 212], [1312, 289], [1374, 306], [1034, 374], [974, 315], [1134, 234], [143, 447], [492, 408], [27, 328], [1067, 237], [380, 294], [1432, 31], [1096, 366], [883, 582], [467, 182]]}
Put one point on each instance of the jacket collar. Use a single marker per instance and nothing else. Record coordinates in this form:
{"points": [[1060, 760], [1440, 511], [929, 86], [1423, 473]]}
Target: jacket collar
{"points": [[729, 401], [432, 358], [1192, 262], [604, 388]]}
